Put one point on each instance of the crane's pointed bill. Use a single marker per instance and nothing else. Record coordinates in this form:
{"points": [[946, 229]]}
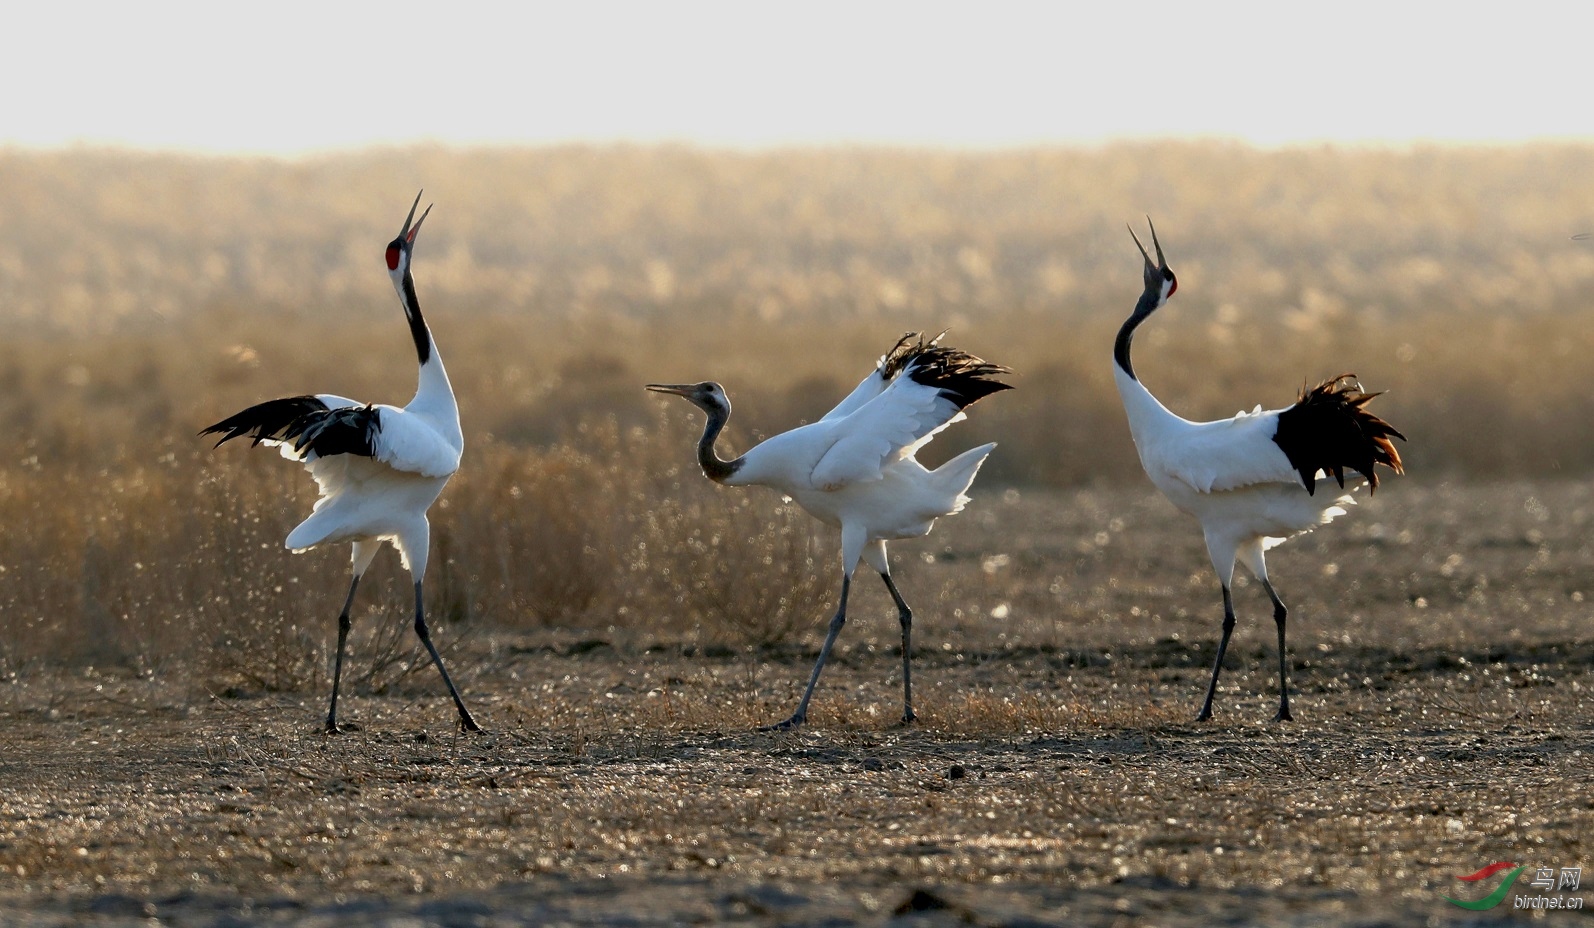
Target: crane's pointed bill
{"points": [[679, 389], [1142, 248], [401, 245], [1162, 263], [410, 238], [404, 233]]}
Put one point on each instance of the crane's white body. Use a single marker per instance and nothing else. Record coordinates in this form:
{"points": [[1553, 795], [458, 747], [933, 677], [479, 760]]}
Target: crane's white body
{"points": [[385, 497], [1230, 475]]}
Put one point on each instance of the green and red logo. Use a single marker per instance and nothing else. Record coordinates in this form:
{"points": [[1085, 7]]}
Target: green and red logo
{"points": [[1500, 892]]}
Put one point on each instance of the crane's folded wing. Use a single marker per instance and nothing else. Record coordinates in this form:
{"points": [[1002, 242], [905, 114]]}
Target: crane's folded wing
{"points": [[1228, 454], [409, 443]]}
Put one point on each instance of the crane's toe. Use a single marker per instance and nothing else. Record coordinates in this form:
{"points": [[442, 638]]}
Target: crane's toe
{"points": [[791, 724], [1284, 715]]}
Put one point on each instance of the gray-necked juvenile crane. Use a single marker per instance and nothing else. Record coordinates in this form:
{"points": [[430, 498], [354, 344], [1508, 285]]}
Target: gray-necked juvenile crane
{"points": [[1251, 480], [855, 467], [379, 468]]}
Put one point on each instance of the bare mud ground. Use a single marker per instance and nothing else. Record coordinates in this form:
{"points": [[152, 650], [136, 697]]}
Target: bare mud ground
{"points": [[1442, 655]]}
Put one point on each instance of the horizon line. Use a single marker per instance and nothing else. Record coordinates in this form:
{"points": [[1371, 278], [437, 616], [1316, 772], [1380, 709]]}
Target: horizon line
{"points": [[926, 146]]}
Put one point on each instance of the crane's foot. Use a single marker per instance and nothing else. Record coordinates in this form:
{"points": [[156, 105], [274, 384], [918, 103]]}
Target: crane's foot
{"points": [[1205, 715], [908, 718], [468, 724], [340, 728], [1284, 715], [791, 724]]}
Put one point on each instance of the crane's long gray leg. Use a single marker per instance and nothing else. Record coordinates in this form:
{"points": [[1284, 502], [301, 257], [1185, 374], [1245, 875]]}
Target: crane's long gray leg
{"points": [[344, 623], [905, 617], [1279, 615], [465, 721], [840, 619], [1217, 663]]}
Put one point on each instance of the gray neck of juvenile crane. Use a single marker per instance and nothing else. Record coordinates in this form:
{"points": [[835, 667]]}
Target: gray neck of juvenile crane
{"points": [[713, 468]]}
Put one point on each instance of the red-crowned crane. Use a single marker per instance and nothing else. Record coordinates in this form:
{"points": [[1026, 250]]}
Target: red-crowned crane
{"points": [[1251, 480], [379, 468], [855, 468]]}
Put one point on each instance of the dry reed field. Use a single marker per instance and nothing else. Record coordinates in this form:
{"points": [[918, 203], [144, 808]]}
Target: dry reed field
{"points": [[621, 626]]}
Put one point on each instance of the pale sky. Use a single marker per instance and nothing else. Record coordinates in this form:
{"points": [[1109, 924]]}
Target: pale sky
{"points": [[291, 77]]}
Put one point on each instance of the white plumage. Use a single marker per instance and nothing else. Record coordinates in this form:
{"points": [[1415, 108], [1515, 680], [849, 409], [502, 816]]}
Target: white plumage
{"points": [[1251, 479], [383, 497], [379, 468], [1230, 474], [855, 467], [414, 441]]}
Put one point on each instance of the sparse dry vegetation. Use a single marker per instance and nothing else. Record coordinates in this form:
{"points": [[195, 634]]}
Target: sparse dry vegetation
{"points": [[143, 581], [1441, 666]]}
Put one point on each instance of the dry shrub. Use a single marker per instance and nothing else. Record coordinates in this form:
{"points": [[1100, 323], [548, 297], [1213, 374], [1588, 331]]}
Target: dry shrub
{"points": [[181, 564], [152, 565], [617, 527]]}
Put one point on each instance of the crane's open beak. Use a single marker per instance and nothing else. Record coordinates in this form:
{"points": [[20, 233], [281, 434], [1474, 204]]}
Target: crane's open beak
{"points": [[679, 389], [1162, 263], [408, 232]]}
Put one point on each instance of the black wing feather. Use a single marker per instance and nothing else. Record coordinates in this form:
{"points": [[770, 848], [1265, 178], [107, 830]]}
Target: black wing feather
{"points": [[1329, 429], [265, 421], [306, 423], [961, 377]]}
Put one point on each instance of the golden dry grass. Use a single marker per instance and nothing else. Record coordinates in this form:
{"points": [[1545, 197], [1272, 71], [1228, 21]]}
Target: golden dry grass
{"points": [[150, 295]]}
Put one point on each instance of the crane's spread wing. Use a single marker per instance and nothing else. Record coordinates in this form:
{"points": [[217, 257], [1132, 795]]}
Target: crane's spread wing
{"points": [[312, 428], [885, 370], [275, 421], [928, 390], [305, 427]]}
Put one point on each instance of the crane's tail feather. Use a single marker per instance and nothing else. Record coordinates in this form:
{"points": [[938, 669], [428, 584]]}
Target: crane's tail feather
{"points": [[1329, 429], [956, 476], [961, 377]]}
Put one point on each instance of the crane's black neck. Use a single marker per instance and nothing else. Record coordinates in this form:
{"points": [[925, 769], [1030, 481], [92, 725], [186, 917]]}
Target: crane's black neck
{"points": [[412, 311], [1149, 301], [713, 468]]}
